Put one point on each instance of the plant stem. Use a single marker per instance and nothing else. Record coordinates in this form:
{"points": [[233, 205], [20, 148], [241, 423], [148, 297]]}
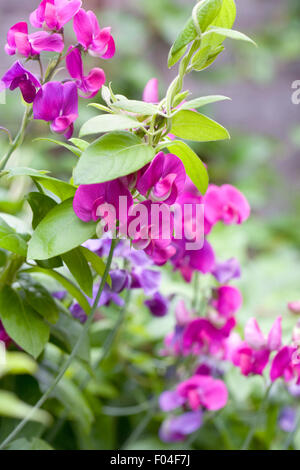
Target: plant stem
{"points": [[252, 430], [18, 140], [68, 362]]}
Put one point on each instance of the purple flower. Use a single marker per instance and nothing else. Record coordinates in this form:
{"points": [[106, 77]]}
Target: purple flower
{"points": [[29, 45], [90, 84], [188, 261], [163, 179], [227, 300], [176, 428], [98, 42], [54, 14], [19, 77], [158, 305], [57, 103], [287, 419], [227, 270], [146, 279]]}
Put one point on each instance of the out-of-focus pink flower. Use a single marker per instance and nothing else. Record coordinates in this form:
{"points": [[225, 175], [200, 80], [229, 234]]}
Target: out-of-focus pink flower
{"points": [[54, 14], [19, 77], [57, 103], [203, 391], [150, 94], [188, 261], [255, 338], [251, 361], [286, 364], [163, 179], [98, 42], [227, 300], [90, 84], [176, 428], [227, 204], [294, 307], [201, 335], [182, 315], [89, 197], [227, 270], [30, 45]]}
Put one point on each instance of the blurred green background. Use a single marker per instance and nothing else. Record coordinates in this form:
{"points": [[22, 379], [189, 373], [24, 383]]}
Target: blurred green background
{"points": [[262, 157]]}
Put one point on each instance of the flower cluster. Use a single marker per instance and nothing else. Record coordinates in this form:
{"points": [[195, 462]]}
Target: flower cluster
{"points": [[54, 101]]}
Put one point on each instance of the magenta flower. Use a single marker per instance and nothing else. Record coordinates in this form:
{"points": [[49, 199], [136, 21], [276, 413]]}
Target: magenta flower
{"points": [[163, 179], [203, 391], [98, 42], [29, 45], [188, 261], [54, 14], [19, 77], [90, 84], [57, 103], [150, 94], [227, 204], [4, 336], [227, 270], [176, 428], [201, 335], [88, 199], [227, 300], [286, 364]]}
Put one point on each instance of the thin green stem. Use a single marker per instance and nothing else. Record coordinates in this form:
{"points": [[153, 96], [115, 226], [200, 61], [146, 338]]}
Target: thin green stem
{"points": [[68, 362]]}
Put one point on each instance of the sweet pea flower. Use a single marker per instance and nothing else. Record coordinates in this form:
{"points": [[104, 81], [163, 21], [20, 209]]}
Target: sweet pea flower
{"points": [[182, 315], [294, 307], [98, 42], [150, 94], [30, 45], [227, 270], [188, 261], [158, 305], [286, 365], [227, 204], [176, 428], [19, 77], [54, 14], [227, 300], [57, 103], [90, 84], [89, 197], [163, 179]]}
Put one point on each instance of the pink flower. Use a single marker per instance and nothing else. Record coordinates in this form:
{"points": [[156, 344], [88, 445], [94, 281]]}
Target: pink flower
{"points": [[202, 336], [29, 45], [183, 316], [89, 197], [227, 204], [99, 42], [256, 340], [188, 261], [57, 103], [284, 364], [203, 391], [19, 77], [150, 94], [90, 84], [54, 14], [294, 307], [227, 300], [163, 179]]}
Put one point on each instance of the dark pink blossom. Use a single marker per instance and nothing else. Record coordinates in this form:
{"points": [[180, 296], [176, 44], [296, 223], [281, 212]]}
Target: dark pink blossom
{"points": [[30, 45], [202, 335], [202, 391], [98, 42], [163, 179], [286, 364], [227, 300], [188, 261], [158, 305], [227, 204], [57, 103], [90, 84], [54, 14], [19, 77], [4, 336]]}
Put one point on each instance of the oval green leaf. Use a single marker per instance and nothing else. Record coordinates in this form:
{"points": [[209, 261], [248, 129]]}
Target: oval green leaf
{"points": [[194, 126], [108, 123]]}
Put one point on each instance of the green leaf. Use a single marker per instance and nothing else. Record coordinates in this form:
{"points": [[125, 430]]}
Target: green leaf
{"points": [[62, 144], [60, 188], [67, 331], [12, 407], [22, 323], [194, 126], [205, 57], [79, 268], [108, 123], [24, 444], [229, 33], [73, 290], [206, 14], [225, 19], [96, 262], [12, 241], [81, 144], [39, 298], [40, 205], [192, 163], [174, 58], [138, 107], [112, 156], [18, 363], [59, 232], [203, 101]]}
